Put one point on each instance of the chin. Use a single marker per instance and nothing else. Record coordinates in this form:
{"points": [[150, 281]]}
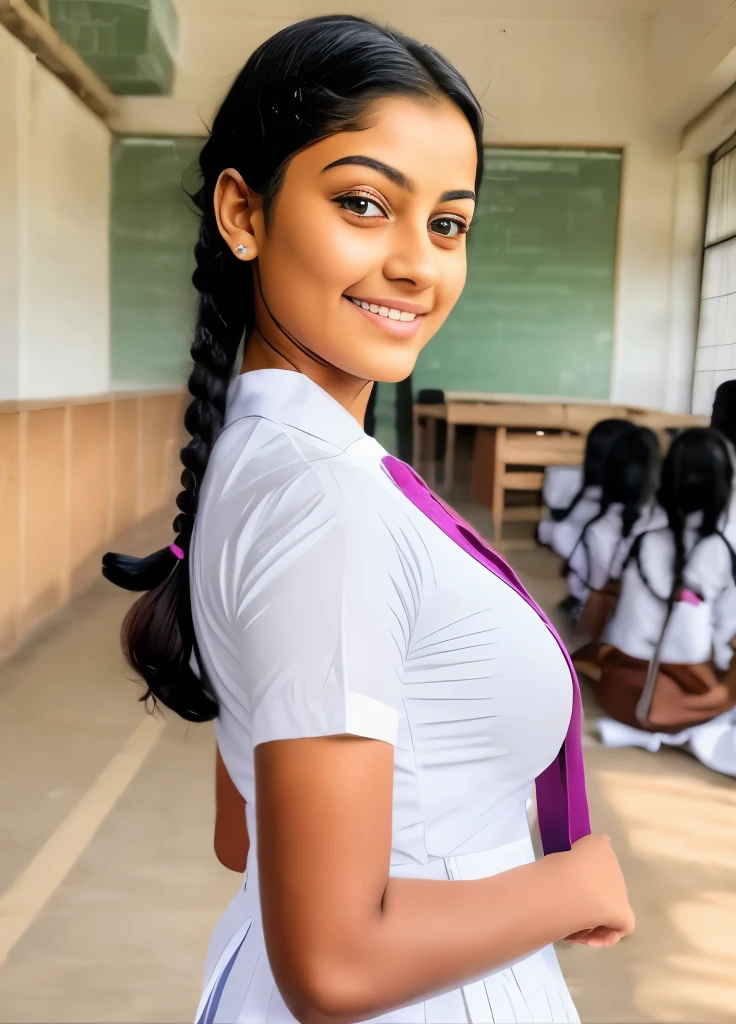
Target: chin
{"points": [[386, 367]]}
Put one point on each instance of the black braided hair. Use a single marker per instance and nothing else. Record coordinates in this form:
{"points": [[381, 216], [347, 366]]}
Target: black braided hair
{"points": [[628, 478], [697, 476], [310, 80], [599, 440]]}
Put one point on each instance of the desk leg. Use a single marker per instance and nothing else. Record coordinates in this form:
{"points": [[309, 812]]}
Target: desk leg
{"points": [[449, 459], [431, 439], [416, 444], [498, 474]]}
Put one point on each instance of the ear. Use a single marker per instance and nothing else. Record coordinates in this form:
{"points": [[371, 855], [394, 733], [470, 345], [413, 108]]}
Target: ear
{"points": [[239, 213]]}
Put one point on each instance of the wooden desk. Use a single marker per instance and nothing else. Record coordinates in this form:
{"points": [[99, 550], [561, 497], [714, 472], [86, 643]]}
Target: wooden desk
{"points": [[498, 448], [525, 414], [506, 436]]}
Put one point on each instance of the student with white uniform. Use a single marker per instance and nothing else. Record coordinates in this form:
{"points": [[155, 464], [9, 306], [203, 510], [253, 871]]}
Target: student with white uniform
{"points": [[385, 693], [565, 487], [668, 674], [571, 496], [628, 480]]}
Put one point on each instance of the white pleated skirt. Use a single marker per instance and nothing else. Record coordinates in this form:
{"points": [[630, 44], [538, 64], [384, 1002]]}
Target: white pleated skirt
{"points": [[239, 987]]}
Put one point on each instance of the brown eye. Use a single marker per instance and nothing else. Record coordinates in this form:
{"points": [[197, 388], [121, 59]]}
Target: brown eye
{"points": [[360, 206], [448, 228]]}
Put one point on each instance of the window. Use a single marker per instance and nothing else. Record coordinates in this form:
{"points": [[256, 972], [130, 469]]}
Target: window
{"points": [[715, 358]]}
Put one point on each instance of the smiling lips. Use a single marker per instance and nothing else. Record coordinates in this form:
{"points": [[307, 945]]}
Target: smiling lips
{"points": [[400, 321]]}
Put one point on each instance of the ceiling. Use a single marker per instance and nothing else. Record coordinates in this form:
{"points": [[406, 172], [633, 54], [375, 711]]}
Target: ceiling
{"points": [[507, 40]]}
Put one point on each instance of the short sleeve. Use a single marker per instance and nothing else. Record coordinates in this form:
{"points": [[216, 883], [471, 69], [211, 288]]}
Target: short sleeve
{"points": [[324, 612], [710, 574]]}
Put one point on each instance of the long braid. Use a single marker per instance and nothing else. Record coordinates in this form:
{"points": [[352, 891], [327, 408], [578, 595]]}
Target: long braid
{"points": [[309, 81], [161, 620]]}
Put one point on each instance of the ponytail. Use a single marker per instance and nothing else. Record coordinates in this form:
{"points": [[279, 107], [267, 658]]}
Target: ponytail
{"points": [[697, 477], [598, 443], [158, 633], [627, 478]]}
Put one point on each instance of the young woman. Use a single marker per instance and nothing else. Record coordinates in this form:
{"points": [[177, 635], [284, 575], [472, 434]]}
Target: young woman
{"points": [[385, 692], [678, 608], [573, 499]]}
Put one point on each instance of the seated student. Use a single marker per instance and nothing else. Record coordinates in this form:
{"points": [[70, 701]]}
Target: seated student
{"points": [[669, 672], [628, 481], [571, 494]]}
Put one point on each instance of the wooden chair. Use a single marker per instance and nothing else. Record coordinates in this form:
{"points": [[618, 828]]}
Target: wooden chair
{"points": [[498, 458]]}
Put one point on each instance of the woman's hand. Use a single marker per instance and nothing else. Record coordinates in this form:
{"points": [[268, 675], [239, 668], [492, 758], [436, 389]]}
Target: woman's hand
{"points": [[602, 889], [596, 937]]}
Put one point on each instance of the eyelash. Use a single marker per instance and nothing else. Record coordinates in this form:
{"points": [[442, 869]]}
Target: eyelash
{"points": [[462, 226]]}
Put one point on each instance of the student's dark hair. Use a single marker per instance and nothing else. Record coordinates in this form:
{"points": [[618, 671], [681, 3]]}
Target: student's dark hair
{"points": [[723, 417], [629, 477], [697, 476], [599, 440], [311, 80]]}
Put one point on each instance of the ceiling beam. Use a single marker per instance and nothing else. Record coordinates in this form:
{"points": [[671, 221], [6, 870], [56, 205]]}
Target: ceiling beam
{"points": [[43, 40]]}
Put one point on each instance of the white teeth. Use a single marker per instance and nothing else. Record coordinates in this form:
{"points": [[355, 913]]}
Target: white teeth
{"points": [[392, 314]]}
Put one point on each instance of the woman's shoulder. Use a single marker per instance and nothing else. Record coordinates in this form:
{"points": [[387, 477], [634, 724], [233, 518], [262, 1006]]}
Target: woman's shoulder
{"points": [[275, 485]]}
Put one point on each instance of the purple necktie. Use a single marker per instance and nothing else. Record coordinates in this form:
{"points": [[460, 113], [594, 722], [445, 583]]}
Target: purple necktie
{"points": [[562, 802]]}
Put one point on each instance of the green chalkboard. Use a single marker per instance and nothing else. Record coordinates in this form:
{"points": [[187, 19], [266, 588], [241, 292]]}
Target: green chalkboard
{"points": [[153, 228], [536, 315]]}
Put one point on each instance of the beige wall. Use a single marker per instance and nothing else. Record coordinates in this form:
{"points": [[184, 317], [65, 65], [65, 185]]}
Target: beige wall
{"points": [[54, 199], [691, 58], [72, 478]]}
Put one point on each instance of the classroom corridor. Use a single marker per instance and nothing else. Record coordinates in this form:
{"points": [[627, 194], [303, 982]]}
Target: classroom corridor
{"points": [[109, 887]]}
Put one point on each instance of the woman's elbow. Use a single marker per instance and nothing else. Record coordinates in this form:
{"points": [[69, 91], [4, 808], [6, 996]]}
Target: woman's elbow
{"points": [[327, 992]]}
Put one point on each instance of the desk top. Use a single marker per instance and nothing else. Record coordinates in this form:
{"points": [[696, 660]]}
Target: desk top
{"points": [[493, 398], [574, 416]]}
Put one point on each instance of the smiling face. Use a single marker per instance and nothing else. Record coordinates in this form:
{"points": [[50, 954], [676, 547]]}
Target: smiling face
{"points": [[363, 254]]}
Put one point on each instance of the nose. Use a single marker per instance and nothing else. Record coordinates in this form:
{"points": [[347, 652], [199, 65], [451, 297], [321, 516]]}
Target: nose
{"points": [[413, 257]]}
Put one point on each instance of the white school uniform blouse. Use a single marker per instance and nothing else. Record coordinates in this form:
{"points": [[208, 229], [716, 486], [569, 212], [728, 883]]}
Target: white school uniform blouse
{"points": [[561, 484], [600, 553], [325, 602], [696, 632], [563, 536]]}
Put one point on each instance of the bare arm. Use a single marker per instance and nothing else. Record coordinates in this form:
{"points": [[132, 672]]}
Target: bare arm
{"points": [[345, 941], [231, 831]]}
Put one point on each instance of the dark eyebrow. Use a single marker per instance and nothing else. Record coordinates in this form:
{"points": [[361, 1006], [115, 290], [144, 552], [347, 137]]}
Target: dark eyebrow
{"points": [[397, 177], [458, 193]]}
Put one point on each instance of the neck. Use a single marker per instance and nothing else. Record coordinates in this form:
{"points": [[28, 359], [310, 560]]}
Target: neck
{"points": [[351, 392]]}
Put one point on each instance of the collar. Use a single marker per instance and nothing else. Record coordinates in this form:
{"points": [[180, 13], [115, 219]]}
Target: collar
{"points": [[294, 400]]}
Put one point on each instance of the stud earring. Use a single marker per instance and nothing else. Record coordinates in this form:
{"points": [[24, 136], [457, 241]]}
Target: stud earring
{"points": [[241, 249]]}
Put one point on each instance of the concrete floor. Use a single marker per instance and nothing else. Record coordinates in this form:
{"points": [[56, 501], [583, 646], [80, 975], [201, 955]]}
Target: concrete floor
{"points": [[109, 888]]}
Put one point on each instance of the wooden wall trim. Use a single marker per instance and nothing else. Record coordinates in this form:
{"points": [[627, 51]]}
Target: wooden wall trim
{"points": [[36, 404], [73, 478]]}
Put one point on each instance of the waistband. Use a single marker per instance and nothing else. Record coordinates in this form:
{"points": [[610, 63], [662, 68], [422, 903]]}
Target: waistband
{"points": [[469, 866]]}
